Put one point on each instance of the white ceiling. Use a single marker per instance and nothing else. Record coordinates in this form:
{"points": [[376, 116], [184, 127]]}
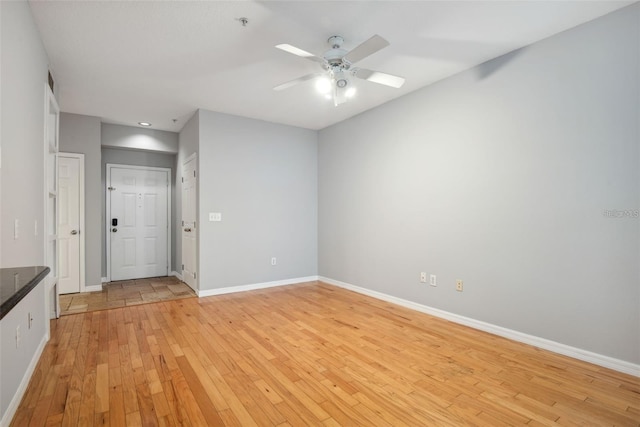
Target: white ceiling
{"points": [[155, 61]]}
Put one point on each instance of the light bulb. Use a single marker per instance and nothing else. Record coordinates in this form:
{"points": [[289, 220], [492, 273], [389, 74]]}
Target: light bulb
{"points": [[323, 85]]}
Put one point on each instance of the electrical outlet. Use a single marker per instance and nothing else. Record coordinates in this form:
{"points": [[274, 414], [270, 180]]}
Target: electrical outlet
{"points": [[459, 285], [215, 216], [423, 277], [432, 280], [274, 261]]}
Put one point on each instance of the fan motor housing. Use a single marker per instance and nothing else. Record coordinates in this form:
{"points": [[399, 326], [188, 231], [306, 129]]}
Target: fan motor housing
{"points": [[334, 56]]}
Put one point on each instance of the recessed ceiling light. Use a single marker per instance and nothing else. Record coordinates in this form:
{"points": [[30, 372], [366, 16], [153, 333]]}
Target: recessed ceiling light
{"points": [[144, 124]]}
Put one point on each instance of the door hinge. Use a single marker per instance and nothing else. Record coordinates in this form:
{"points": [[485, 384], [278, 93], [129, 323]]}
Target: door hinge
{"points": [[182, 179], [194, 275], [183, 266], [194, 224], [183, 223], [194, 174]]}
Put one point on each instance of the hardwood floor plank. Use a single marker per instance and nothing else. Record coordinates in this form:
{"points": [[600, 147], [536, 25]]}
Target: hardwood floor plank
{"points": [[201, 398], [134, 420], [309, 354], [146, 407], [102, 388], [116, 406]]}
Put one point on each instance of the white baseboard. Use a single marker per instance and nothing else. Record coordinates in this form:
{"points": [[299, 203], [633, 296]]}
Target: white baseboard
{"points": [[105, 280], [17, 397], [576, 353], [176, 274], [253, 287], [93, 288]]}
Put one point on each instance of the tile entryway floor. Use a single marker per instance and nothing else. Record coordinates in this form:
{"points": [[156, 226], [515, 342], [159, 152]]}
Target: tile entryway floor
{"points": [[125, 293]]}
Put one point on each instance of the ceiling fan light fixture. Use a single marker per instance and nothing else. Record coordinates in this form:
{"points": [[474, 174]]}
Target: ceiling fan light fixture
{"points": [[342, 83], [350, 93], [323, 85]]}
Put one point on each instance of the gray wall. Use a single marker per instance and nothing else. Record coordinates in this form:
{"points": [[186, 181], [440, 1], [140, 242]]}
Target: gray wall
{"points": [[188, 144], [24, 73], [499, 176], [138, 158], [137, 138], [23, 67], [81, 134], [262, 177]]}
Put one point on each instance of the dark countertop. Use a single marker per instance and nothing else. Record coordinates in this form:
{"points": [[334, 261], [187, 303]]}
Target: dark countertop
{"points": [[16, 283]]}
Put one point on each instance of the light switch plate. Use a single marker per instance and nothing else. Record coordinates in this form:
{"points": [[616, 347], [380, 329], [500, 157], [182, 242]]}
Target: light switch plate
{"points": [[215, 216]]}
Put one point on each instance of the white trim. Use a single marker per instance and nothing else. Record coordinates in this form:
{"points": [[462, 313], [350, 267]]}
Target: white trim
{"points": [[19, 394], [104, 280], [51, 235], [80, 158], [576, 353], [176, 274], [108, 210], [255, 286], [93, 288]]}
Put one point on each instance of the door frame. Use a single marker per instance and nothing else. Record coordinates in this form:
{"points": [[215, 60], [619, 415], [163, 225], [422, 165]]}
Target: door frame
{"points": [[80, 158], [108, 210]]}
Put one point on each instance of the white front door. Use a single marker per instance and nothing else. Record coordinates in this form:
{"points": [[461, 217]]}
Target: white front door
{"points": [[189, 235], [70, 211], [138, 222]]}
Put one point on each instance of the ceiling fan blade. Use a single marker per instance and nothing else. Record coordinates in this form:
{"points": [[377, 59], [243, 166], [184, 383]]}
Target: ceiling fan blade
{"points": [[299, 52], [365, 49], [294, 82], [379, 77]]}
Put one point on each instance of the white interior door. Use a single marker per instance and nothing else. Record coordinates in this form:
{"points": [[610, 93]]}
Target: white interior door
{"points": [[138, 222], [189, 235], [69, 223]]}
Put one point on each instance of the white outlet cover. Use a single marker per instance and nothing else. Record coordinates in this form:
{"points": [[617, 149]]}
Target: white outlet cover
{"points": [[215, 216]]}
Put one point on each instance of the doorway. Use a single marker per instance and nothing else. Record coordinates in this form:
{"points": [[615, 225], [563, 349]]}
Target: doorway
{"points": [[138, 217], [71, 223]]}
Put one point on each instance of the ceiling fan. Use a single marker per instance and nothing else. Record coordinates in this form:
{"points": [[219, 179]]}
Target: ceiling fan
{"points": [[337, 63]]}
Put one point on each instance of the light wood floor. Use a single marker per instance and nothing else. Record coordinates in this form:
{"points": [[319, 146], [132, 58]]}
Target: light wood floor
{"points": [[126, 292], [309, 354]]}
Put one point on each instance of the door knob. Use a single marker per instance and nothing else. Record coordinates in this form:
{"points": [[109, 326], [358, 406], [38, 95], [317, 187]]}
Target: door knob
{"points": [[188, 230], [74, 232], [114, 229]]}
